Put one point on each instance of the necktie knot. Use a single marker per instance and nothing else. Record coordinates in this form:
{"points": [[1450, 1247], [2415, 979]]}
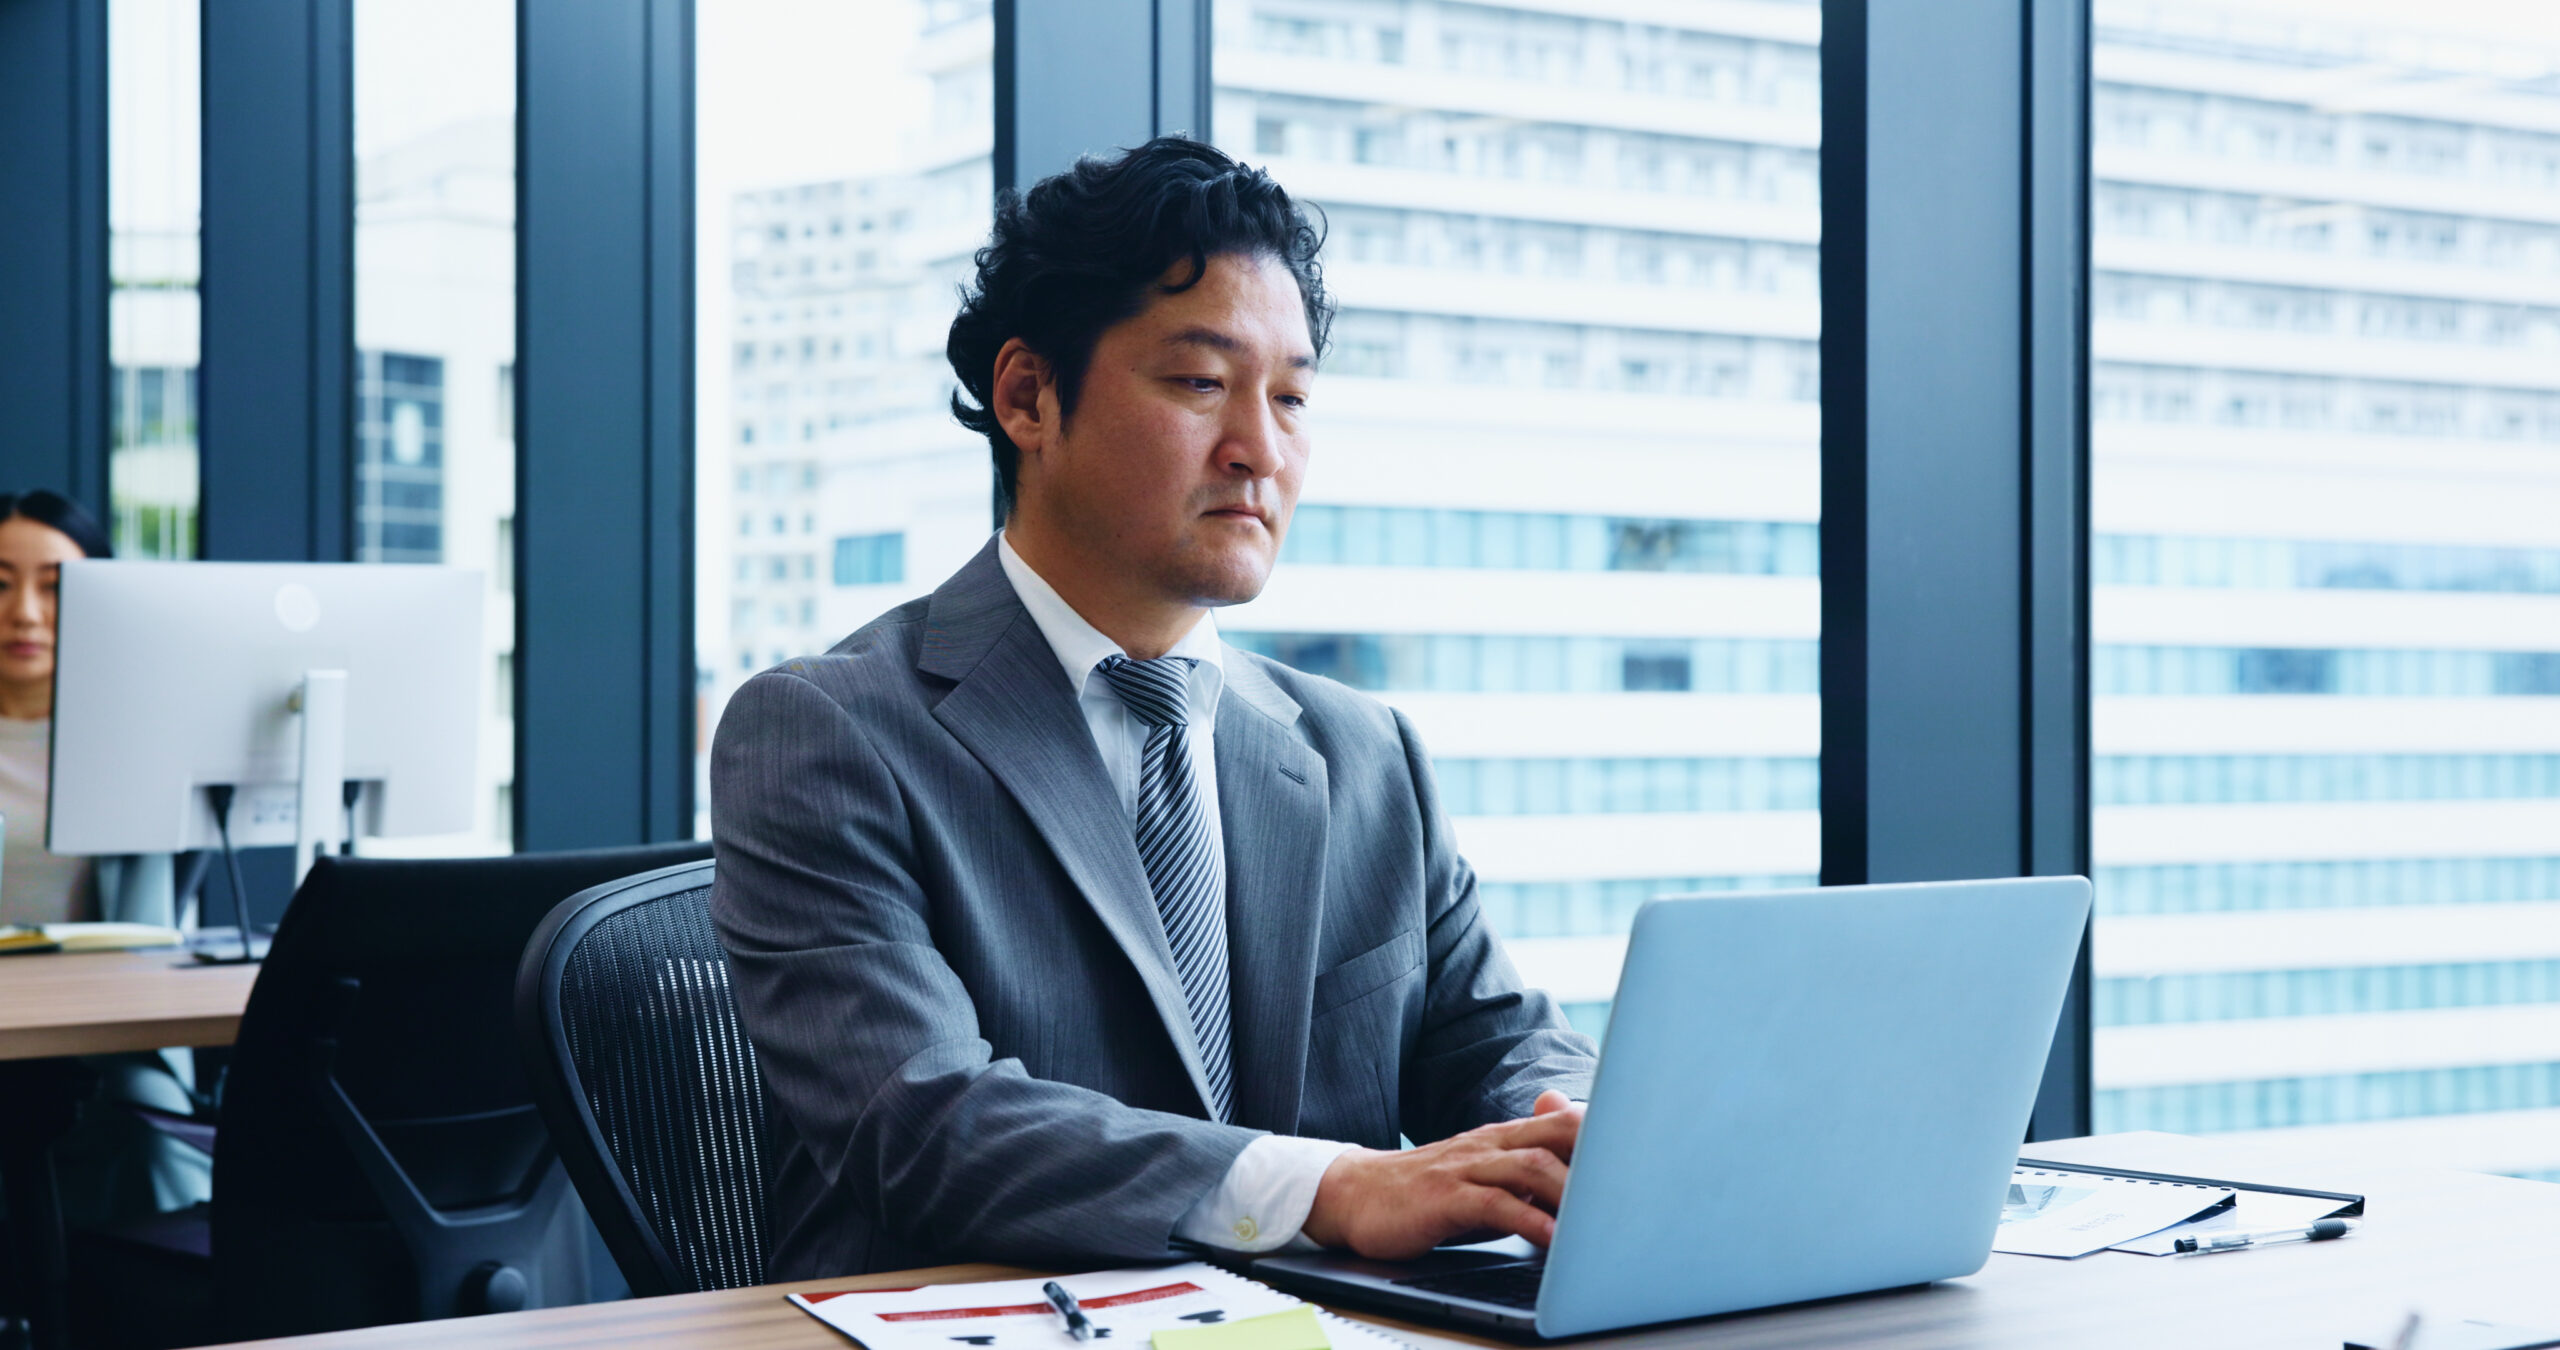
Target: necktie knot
{"points": [[1157, 692]]}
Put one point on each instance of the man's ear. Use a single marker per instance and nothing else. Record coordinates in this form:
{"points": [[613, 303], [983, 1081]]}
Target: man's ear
{"points": [[1024, 396]]}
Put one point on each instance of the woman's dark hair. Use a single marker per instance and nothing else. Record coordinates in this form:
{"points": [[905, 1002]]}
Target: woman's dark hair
{"points": [[62, 513], [1082, 250]]}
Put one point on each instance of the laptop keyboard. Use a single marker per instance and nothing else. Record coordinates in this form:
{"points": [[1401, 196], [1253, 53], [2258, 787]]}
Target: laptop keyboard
{"points": [[1512, 1286]]}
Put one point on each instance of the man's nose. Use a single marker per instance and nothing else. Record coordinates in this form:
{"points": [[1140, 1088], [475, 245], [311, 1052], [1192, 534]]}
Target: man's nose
{"points": [[1251, 444]]}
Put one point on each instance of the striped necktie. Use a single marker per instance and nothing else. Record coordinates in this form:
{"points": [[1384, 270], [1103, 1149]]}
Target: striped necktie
{"points": [[1186, 864]]}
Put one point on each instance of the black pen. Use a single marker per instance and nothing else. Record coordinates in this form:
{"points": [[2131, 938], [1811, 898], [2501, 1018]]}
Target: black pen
{"points": [[1078, 1325]]}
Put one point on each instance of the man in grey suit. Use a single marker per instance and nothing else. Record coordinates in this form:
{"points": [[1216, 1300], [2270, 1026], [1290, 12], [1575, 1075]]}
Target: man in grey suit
{"points": [[1064, 931]]}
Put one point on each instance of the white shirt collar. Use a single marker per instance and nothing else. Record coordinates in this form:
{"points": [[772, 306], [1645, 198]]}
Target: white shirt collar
{"points": [[1080, 646]]}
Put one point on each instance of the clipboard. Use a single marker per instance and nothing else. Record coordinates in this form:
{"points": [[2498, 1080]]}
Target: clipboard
{"points": [[2277, 1206], [2350, 1206]]}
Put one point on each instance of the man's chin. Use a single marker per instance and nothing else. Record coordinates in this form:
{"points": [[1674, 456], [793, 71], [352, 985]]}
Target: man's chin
{"points": [[1229, 582]]}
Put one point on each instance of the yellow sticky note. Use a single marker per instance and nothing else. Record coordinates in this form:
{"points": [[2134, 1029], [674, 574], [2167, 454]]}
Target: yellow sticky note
{"points": [[1295, 1329]]}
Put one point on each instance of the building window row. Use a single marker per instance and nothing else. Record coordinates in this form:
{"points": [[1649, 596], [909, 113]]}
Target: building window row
{"points": [[2328, 1099], [871, 559], [2136, 298], [1501, 245], [1399, 536], [2188, 560], [1380, 344], [2232, 995], [1429, 140], [2166, 780], [2342, 883], [2178, 121], [1627, 785], [1542, 909], [777, 567], [1512, 44], [1403, 536], [2124, 392], [1469, 663], [2120, 671], [1462, 663], [2281, 224]]}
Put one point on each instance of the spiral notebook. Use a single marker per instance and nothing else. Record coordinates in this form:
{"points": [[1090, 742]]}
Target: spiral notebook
{"points": [[1126, 1308]]}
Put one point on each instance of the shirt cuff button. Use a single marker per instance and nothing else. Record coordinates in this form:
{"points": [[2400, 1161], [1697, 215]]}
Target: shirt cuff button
{"points": [[1247, 1230]]}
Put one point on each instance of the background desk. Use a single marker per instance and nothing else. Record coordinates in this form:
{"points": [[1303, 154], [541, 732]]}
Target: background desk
{"points": [[2455, 1244], [95, 1003], [58, 1004]]}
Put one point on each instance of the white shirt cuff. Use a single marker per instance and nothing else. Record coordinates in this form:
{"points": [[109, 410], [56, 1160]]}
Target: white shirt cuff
{"points": [[1262, 1201]]}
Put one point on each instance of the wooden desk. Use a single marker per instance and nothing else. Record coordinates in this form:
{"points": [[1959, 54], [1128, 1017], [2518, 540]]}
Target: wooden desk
{"points": [[2454, 1244], [95, 1003]]}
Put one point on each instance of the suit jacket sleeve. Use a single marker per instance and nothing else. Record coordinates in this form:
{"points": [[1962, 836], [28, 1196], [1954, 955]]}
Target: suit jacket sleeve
{"points": [[870, 1042], [1488, 1045]]}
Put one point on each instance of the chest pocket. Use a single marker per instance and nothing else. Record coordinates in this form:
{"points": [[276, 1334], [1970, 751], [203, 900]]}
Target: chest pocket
{"points": [[1370, 971]]}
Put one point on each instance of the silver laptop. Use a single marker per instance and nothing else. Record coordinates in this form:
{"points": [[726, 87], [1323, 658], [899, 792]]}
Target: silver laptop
{"points": [[1805, 1094]]}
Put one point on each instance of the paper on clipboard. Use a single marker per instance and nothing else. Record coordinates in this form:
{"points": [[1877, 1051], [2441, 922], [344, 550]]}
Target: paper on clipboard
{"points": [[2071, 1214], [1126, 1308]]}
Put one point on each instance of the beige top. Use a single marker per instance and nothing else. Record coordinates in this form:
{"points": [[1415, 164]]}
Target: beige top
{"points": [[35, 886]]}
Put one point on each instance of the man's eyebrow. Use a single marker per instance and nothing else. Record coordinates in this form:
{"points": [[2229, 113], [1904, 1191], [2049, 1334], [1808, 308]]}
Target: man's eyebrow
{"points": [[1217, 341]]}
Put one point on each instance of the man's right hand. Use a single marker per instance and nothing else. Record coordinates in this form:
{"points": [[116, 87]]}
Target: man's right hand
{"points": [[1506, 1177]]}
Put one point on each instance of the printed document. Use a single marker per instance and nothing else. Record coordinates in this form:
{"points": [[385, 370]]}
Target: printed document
{"points": [[1126, 1307], [2071, 1214]]}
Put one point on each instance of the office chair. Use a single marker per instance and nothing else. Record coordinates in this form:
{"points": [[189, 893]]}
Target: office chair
{"points": [[379, 1158], [631, 1036]]}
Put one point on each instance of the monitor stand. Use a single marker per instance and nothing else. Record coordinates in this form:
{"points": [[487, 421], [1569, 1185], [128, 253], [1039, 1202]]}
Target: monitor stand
{"points": [[319, 801], [320, 805]]}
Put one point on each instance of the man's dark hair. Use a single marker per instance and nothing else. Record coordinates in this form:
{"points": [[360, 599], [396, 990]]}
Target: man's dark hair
{"points": [[60, 512], [1083, 249]]}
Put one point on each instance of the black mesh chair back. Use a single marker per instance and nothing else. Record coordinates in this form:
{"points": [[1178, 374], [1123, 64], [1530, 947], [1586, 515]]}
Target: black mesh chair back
{"points": [[380, 1158], [638, 1061]]}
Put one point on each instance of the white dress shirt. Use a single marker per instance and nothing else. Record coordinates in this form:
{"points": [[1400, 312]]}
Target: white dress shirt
{"points": [[1263, 1200]]}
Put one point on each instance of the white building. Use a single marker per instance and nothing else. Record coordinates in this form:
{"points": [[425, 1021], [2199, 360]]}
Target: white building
{"points": [[2327, 384], [852, 488], [1564, 500]]}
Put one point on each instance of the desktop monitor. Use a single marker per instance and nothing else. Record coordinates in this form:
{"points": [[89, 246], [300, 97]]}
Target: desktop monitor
{"points": [[173, 677]]}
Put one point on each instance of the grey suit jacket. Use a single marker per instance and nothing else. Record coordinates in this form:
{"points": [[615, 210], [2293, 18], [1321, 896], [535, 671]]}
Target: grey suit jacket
{"points": [[949, 959]]}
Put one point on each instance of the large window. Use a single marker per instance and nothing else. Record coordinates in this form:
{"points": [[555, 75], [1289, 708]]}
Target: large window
{"points": [[154, 174], [1562, 506], [2326, 404], [434, 478], [843, 182]]}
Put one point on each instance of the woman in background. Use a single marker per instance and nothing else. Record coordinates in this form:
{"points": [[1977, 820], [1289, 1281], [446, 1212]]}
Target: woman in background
{"points": [[112, 1165]]}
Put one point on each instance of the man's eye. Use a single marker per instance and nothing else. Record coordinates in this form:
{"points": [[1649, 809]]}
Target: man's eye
{"points": [[1198, 384]]}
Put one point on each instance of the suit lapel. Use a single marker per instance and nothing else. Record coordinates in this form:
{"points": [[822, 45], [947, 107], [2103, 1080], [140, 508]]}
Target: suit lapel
{"points": [[1272, 808], [1013, 709]]}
